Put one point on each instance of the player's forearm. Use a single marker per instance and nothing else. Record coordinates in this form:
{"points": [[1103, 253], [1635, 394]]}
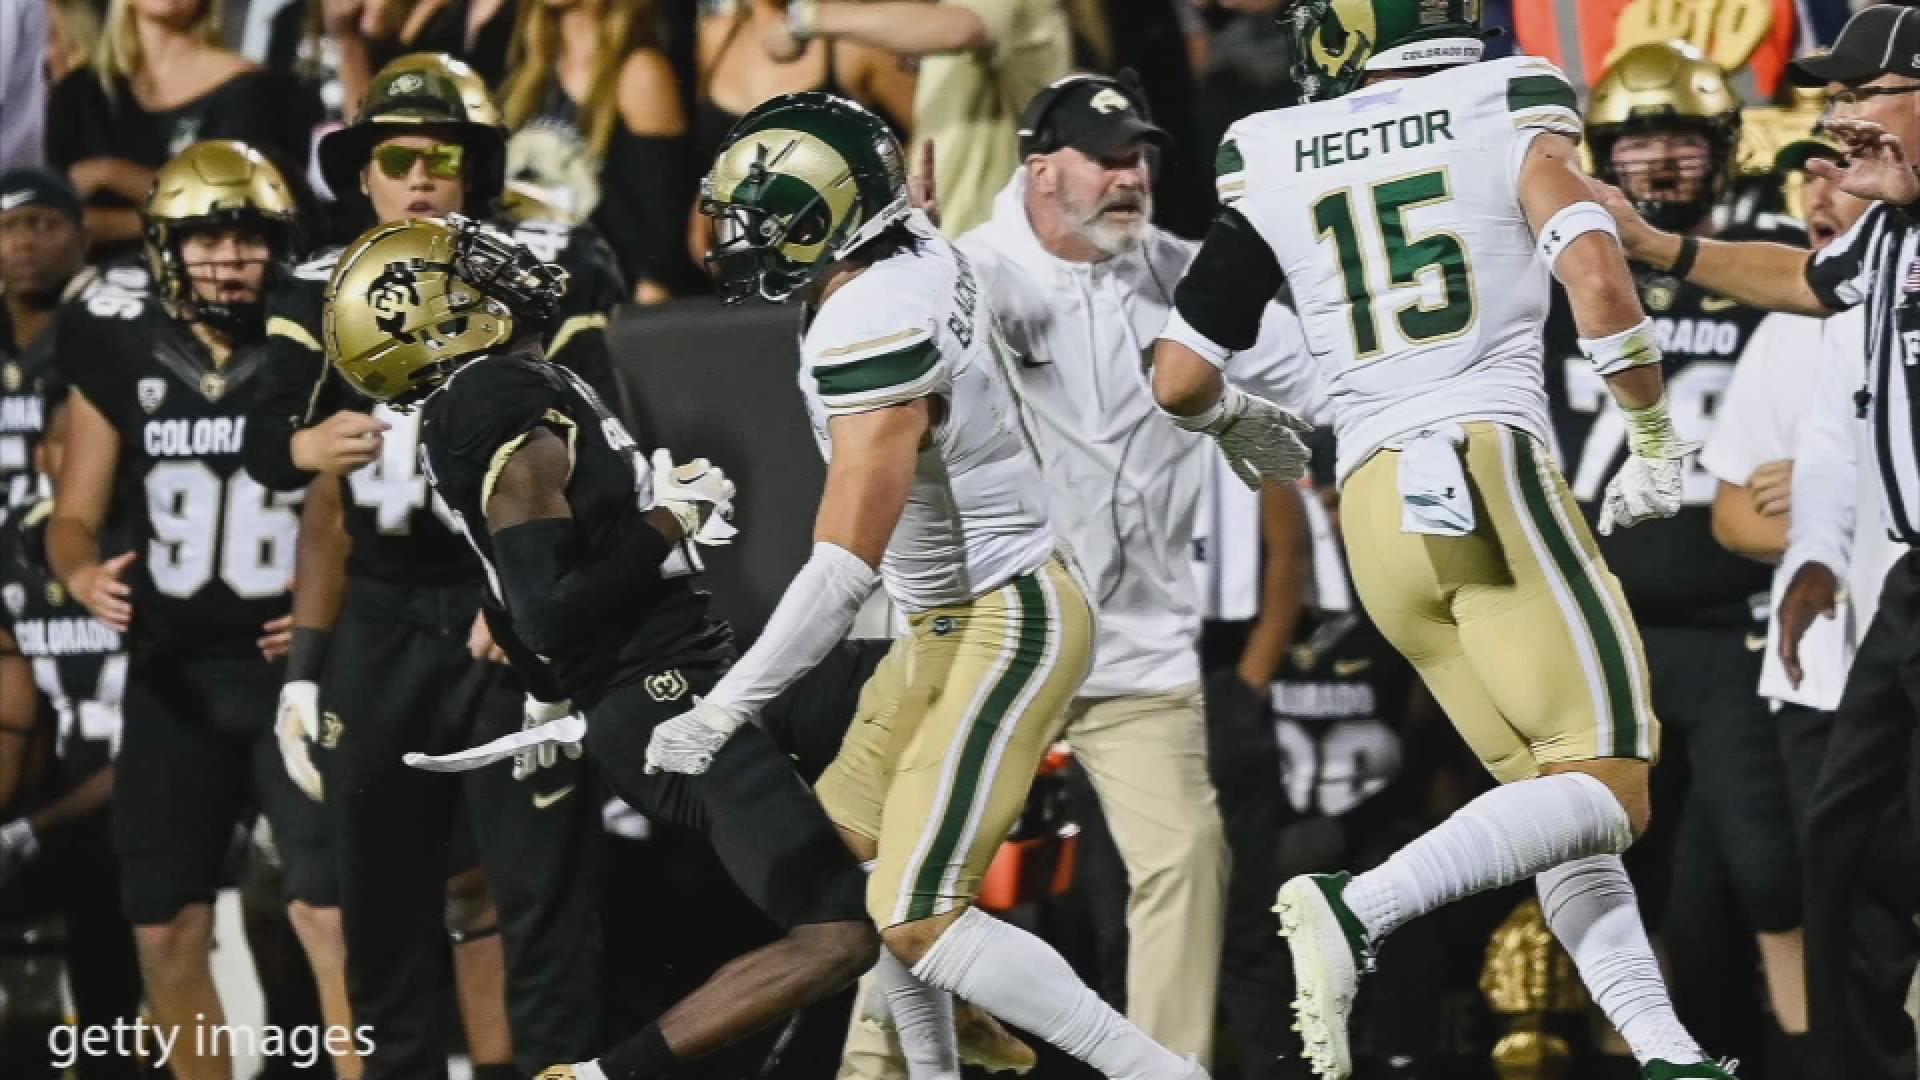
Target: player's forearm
{"points": [[1772, 277], [1743, 530], [1184, 382], [1283, 589], [905, 29], [1600, 287], [560, 598], [73, 545], [813, 616], [89, 796], [1637, 388], [320, 569]]}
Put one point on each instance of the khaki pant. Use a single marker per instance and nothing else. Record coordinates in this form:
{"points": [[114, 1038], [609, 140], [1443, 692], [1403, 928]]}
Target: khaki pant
{"points": [[1518, 628], [1147, 758], [949, 733]]}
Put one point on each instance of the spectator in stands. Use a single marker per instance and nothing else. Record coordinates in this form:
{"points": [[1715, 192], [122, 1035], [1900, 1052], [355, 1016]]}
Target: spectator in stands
{"points": [[599, 132], [981, 61], [734, 76], [156, 83], [72, 31], [477, 31]]}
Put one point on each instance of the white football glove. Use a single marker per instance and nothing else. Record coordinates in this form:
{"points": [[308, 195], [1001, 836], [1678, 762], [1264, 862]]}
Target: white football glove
{"points": [[1260, 439], [688, 743], [683, 489], [1649, 484], [544, 755], [297, 726], [18, 846]]}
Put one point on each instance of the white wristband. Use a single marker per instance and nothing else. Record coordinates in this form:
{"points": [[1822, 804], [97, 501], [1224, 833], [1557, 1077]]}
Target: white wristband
{"points": [[1178, 329], [1210, 420], [1630, 348], [1571, 223]]}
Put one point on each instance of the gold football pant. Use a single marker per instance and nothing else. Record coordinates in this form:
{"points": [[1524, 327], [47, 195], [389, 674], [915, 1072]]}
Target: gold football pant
{"points": [[950, 730], [1519, 628]]}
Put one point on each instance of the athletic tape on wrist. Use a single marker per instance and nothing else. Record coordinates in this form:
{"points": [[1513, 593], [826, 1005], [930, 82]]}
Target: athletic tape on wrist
{"points": [[1630, 348], [1571, 223]]}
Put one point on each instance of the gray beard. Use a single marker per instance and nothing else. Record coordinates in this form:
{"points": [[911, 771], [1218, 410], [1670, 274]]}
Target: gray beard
{"points": [[1113, 238]]}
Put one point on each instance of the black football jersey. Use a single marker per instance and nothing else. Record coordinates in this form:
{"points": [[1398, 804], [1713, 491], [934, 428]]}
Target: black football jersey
{"points": [[79, 663], [1673, 571], [1339, 704], [401, 530], [495, 401], [216, 549]]}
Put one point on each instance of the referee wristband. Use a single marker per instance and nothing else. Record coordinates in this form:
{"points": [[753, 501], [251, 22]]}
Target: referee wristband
{"points": [[1689, 254]]}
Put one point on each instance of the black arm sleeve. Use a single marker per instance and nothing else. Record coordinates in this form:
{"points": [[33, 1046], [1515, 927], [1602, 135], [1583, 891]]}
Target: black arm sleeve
{"points": [[560, 591], [298, 383], [533, 672], [1230, 283]]}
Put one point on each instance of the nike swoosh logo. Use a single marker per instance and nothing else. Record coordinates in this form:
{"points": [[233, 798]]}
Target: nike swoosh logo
{"points": [[13, 199], [541, 802], [1344, 668], [1717, 303], [1756, 642]]}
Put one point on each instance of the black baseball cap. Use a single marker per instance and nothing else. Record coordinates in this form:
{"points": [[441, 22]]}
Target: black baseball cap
{"points": [[1094, 114], [38, 187], [1880, 40]]}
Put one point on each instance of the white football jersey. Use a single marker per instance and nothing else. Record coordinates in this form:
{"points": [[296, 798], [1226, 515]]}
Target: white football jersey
{"points": [[916, 325], [1395, 214]]}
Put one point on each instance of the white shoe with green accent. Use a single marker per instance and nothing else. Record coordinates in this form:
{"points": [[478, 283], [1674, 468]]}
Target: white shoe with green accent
{"points": [[1330, 953]]}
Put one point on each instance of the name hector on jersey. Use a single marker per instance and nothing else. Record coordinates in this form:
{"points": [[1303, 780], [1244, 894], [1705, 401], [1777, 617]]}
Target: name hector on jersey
{"points": [[1360, 143], [180, 437], [80, 635]]}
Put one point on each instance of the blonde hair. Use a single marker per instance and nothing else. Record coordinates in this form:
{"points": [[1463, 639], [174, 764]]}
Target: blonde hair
{"points": [[78, 25], [533, 59], [116, 54]]}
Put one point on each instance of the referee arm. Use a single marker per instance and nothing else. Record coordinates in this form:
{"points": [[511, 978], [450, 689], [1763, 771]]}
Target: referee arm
{"points": [[1771, 277]]}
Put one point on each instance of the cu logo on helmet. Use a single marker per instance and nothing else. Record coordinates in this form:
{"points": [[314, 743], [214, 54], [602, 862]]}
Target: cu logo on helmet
{"points": [[393, 296]]}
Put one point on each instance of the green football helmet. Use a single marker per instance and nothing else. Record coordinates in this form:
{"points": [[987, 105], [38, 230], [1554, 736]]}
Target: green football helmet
{"points": [[801, 182], [1332, 44]]}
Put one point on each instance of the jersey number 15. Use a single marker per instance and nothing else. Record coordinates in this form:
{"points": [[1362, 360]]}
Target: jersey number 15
{"points": [[1411, 261]]}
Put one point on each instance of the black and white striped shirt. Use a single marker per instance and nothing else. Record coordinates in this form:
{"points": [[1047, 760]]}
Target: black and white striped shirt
{"points": [[1877, 263]]}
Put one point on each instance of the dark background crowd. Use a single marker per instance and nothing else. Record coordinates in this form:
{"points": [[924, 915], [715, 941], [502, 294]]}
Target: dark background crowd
{"points": [[615, 107]]}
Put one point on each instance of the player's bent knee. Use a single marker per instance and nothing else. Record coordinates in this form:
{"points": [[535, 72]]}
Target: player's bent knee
{"points": [[843, 951], [910, 941], [1627, 779]]}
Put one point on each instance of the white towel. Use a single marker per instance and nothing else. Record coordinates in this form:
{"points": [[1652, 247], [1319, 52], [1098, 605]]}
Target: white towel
{"points": [[569, 730], [1434, 495]]}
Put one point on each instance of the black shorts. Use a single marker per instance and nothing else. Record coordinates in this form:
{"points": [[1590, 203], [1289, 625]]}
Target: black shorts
{"points": [[767, 828], [198, 757]]}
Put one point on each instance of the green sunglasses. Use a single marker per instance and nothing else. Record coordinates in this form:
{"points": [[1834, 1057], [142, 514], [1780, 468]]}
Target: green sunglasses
{"points": [[443, 162]]}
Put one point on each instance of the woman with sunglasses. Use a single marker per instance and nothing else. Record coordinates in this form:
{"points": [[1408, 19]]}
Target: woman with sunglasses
{"points": [[407, 668]]}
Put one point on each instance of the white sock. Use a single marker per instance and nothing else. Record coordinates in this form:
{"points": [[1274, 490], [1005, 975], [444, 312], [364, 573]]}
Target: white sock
{"points": [[1591, 906], [924, 1018], [1020, 979], [588, 1070], [1508, 834]]}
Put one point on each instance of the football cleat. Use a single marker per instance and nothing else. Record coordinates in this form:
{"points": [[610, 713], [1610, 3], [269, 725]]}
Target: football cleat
{"points": [[1330, 952], [1699, 1070], [983, 1042]]}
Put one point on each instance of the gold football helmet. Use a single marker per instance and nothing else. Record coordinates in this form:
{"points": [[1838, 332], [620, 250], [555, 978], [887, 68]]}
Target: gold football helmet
{"points": [[211, 185], [1666, 87], [410, 301], [426, 94]]}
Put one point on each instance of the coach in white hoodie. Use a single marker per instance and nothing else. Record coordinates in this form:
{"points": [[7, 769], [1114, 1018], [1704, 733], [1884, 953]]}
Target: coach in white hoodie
{"points": [[1083, 284]]}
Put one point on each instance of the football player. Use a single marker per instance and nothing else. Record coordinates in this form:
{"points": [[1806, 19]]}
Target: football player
{"points": [[1415, 206], [585, 545], [58, 852], [932, 488], [42, 252], [162, 386], [1664, 126], [405, 602]]}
